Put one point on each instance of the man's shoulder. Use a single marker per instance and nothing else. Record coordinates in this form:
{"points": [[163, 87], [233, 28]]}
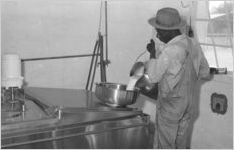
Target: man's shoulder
{"points": [[176, 49]]}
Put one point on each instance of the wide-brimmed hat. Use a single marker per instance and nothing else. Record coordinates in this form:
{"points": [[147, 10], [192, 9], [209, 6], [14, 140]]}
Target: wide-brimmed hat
{"points": [[167, 19]]}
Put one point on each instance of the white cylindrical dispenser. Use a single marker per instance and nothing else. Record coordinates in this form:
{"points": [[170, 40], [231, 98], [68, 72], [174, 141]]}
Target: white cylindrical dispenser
{"points": [[11, 71]]}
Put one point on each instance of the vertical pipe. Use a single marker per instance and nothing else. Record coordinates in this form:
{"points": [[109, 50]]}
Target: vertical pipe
{"points": [[102, 63], [106, 30], [12, 94], [12, 98], [100, 19]]}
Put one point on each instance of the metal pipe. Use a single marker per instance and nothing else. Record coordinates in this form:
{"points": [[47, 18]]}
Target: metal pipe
{"points": [[41, 105], [12, 94], [102, 63], [95, 65], [91, 64], [44, 107], [57, 57], [106, 30]]}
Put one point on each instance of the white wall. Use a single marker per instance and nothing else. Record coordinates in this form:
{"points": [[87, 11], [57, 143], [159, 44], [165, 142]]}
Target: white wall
{"points": [[212, 130], [43, 28]]}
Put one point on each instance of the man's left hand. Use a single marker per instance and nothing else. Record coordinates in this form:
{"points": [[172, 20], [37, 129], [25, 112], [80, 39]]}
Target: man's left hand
{"points": [[151, 48]]}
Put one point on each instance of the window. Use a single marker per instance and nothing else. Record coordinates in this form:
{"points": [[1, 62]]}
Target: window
{"points": [[214, 22]]}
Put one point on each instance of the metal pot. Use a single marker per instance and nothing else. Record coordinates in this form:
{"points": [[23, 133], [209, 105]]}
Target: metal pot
{"points": [[115, 94], [144, 81]]}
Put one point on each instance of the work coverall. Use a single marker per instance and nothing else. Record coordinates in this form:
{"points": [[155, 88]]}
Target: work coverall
{"points": [[177, 68]]}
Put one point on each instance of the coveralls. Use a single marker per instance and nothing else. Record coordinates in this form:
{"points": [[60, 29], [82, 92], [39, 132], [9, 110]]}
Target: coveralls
{"points": [[177, 68]]}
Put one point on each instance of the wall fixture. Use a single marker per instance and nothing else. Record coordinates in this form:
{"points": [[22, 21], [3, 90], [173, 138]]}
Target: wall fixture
{"points": [[219, 103]]}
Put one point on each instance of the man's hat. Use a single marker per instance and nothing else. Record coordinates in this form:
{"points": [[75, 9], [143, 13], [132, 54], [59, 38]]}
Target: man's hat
{"points": [[167, 19]]}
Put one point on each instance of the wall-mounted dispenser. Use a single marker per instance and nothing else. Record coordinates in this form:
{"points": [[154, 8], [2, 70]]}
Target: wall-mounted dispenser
{"points": [[218, 103], [11, 71]]}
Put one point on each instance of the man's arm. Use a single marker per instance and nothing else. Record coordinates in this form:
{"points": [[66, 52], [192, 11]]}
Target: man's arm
{"points": [[204, 70], [201, 66], [155, 68]]}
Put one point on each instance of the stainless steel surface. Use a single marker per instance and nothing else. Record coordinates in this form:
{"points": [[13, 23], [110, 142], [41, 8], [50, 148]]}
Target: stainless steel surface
{"points": [[115, 94], [110, 134], [92, 125], [82, 129]]}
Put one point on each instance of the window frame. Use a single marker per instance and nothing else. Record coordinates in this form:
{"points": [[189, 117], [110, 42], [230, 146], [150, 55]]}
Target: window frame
{"points": [[212, 36]]}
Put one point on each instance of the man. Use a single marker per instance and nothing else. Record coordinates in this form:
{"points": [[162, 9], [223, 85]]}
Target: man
{"points": [[176, 68]]}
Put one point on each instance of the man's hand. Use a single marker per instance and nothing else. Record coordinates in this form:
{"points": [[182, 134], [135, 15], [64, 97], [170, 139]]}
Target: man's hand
{"points": [[151, 48], [144, 81]]}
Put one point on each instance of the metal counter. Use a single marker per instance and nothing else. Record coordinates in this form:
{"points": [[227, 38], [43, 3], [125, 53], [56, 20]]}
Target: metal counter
{"points": [[84, 123]]}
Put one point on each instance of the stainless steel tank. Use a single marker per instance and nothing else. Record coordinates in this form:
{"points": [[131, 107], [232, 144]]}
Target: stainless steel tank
{"points": [[92, 125]]}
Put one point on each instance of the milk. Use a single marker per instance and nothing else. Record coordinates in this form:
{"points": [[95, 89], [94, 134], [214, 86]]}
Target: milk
{"points": [[132, 83], [133, 79]]}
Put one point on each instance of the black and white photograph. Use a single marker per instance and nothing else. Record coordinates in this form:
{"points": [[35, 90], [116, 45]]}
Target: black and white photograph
{"points": [[116, 74]]}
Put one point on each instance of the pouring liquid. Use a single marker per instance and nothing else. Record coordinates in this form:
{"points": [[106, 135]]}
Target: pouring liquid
{"points": [[132, 83], [133, 79]]}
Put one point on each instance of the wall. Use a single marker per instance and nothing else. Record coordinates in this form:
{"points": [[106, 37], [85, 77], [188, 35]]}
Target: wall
{"points": [[212, 130], [44, 28], [41, 28]]}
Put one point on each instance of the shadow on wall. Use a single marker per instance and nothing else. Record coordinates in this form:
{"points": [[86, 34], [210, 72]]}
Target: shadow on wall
{"points": [[196, 110]]}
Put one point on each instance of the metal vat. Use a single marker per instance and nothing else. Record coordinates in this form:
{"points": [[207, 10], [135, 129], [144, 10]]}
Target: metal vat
{"points": [[91, 126]]}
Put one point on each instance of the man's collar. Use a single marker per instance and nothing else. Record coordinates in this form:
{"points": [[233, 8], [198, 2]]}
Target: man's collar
{"points": [[177, 38], [174, 40]]}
